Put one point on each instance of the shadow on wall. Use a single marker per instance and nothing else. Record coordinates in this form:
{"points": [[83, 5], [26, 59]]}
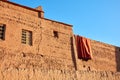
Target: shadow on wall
{"points": [[73, 53], [117, 54]]}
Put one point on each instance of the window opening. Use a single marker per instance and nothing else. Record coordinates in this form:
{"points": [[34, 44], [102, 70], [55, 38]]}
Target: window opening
{"points": [[2, 31], [26, 37], [56, 34]]}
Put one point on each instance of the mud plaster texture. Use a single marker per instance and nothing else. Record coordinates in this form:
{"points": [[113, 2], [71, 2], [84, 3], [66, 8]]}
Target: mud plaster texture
{"points": [[49, 58]]}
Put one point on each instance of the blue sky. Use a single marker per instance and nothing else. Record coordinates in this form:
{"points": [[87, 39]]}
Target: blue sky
{"points": [[95, 19]]}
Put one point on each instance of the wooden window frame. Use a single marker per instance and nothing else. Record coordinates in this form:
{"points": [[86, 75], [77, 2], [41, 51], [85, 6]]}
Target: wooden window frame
{"points": [[26, 37]]}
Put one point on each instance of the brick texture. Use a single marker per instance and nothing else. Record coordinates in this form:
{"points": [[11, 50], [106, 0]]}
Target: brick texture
{"points": [[49, 58], [105, 57]]}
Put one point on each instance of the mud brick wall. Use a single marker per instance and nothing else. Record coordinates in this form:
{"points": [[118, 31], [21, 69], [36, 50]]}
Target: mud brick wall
{"points": [[22, 66], [18, 8], [37, 74], [58, 47], [17, 18], [105, 58], [54, 57]]}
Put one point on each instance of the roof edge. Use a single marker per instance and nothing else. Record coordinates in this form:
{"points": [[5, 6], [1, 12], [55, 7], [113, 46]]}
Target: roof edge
{"points": [[36, 11], [22, 6], [58, 22]]}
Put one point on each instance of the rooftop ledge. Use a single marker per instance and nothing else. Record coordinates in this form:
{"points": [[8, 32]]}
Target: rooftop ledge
{"points": [[34, 10], [22, 6]]}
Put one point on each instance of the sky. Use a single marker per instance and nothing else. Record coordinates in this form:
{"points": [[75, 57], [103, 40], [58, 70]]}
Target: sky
{"points": [[95, 19]]}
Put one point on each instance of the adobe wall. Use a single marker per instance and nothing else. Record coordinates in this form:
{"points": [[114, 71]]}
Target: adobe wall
{"points": [[17, 18], [48, 56], [22, 66], [42, 74], [105, 58]]}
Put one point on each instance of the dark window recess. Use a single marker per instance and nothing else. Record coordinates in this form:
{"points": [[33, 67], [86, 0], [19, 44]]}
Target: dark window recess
{"points": [[39, 15], [2, 31], [26, 37], [56, 34]]}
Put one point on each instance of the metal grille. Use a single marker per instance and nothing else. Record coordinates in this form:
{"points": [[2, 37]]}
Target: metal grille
{"points": [[2, 32], [26, 37]]}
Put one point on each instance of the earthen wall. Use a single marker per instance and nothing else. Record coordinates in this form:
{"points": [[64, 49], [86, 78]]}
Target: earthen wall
{"points": [[54, 57], [105, 57]]}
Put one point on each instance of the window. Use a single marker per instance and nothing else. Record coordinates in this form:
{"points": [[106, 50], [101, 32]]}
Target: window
{"points": [[55, 34], [26, 37], [39, 14], [2, 31]]}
